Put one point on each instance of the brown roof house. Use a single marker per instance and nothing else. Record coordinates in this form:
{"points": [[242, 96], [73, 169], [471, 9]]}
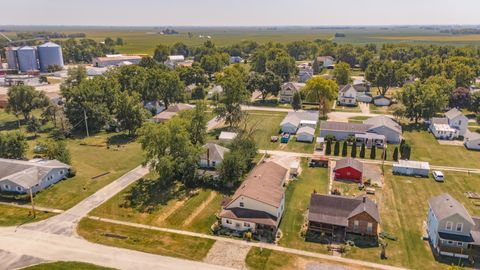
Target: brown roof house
{"points": [[336, 216], [171, 112], [258, 203]]}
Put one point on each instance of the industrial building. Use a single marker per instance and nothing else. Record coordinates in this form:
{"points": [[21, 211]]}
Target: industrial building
{"points": [[116, 60], [49, 54], [28, 59]]}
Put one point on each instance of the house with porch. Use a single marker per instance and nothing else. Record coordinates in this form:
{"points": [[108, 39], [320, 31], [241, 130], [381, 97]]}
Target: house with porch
{"points": [[288, 89], [347, 95], [452, 231], [258, 204], [338, 216], [452, 126]]}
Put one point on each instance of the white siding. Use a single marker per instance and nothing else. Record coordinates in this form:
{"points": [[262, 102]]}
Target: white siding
{"points": [[238, 225], [249, 203]]}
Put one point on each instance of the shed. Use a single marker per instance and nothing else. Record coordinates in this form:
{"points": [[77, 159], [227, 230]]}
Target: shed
{"points": [[227, 136], [472, 140], [413, 168], [318, 161], [305, 134], [382, 101], [349, 169]]}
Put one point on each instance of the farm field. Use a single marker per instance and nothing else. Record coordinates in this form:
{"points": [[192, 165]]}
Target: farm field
{"points": [[66, 266]]}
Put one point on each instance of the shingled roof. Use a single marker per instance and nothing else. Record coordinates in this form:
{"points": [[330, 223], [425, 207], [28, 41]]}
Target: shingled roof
{"points": [[349, 162], [444, 205], [337, 210], [344, 126], [453, 113], [214, 151], [382, 120]]}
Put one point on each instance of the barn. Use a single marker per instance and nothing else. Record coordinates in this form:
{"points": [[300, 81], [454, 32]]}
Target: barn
{"points": [[349, 169]]}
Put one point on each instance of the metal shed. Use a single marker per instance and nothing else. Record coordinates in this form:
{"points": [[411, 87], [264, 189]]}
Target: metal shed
{"points": [[413, 168]]}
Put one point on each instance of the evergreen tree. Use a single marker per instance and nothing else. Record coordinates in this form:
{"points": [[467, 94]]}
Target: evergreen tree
{"points": [[395, 154], [344, 149], [328, 148], [373, 152], [297, 101], [362, 151], [336, 149], [353, 154], [405, 151]]}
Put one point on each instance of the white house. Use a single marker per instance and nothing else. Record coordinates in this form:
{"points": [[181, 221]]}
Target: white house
{"points": [[19, 176], [174, 60], [305, 134], [288, 89], [472, 140], [115, 60], [324, 61], [386, 126], [347, 95], [212, 156], [457, 120], [412, 168], [259, 202], [294, 120], [216, 89], [450, 127], [451, 230]]}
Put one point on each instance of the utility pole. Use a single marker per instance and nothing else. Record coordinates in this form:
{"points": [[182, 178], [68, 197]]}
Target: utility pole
{"points": [[86, 123], [32, 203]]}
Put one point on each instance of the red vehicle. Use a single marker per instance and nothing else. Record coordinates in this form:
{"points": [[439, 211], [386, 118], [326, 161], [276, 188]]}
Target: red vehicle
{"points": [[349, 169]]}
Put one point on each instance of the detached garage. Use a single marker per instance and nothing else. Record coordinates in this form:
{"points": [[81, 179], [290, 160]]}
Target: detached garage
{"points": [[413, 168], [349, 169], [305, 134]]}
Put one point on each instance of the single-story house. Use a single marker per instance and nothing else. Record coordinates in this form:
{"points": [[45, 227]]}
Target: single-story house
{"points": [[305, 134], [235, 59], [115, 60], [212, 156], [472, 140], [337, 215], [171, 111], [259, 202], [371, 139], [342, 130], [227, 136], [412, 168], [174, 60], [19, 176], [349, 169], [364, 97], [323, 62], [452, 231], [382, 101], [385, 126], [294, 120], [288, 89], [305, 74]]}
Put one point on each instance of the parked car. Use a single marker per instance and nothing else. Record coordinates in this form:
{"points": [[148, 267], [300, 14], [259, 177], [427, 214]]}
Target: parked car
{"points": [[438, 176]]}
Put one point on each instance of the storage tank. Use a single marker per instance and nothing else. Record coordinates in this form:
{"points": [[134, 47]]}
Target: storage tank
{"points": [[11, 54], [49, 54], [27, 59]]}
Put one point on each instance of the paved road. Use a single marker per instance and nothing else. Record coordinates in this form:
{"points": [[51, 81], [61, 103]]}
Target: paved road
{"points": [[66, 222], [213, 123], [51, 247]]}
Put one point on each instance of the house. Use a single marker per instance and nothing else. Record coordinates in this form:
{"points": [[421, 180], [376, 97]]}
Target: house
{"points": [[19, 176], [259, 202], [294, 120], [342, 130], [323, 62], [115, 60], [215, 90], [365, 97], [212, 156], [450, 127], [154, 106], [347, 95], [288, 89], [305, 73], [336, 216], [472, 140], [305, 134], [457, 120], [386, 126], [451, 230], [349, 169], [227, 136], [382, 101], [171, 111], [235, 60], [361, 85], [411, 168], [174, 60]]}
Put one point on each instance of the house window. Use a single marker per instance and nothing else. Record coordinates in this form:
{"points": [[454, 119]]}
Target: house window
{"points": [[61, 172], [228, 221], [213, 163], [6, 187], [245, 224], [241, 204], [355, 224], [19, 189], [459, 122], [450, 242], [448, 226], [369, 227], [460, 244], [459, 227]]}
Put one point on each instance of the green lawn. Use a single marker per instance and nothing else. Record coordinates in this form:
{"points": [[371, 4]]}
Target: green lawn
{"points": [[297, 200], [267, 259], [426, 148], [161, 243], [66, 266], [357, 119], [13, 216]]}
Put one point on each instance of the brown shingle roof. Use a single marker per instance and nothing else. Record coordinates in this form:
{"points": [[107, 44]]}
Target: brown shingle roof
{"points": [[336, 210], [444, 205], [349, 162]]}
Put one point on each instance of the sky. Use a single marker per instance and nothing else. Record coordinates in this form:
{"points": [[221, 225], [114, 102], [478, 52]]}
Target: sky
{"points": [[238, 12]]}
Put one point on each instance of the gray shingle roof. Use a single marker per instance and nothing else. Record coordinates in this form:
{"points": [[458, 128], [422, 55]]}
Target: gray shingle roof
{"points": [[295, 117], [306, 129], [472, 135], [453, 113], [27, 173], [444, 206], [439, 120], [344, 126], [349, 162], [214, 151], [382, 120]]}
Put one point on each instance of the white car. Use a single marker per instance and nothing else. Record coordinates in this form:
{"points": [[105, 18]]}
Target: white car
{"points": [[438, 176]]}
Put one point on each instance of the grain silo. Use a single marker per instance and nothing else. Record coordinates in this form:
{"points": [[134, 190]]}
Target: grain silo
{"points": [[49, 54], [11, 54], [27, 59]]}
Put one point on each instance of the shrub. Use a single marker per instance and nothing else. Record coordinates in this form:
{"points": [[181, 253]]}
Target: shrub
{"points": [[362, 151], [330, 138], [395, 154], [353, 154], [72, 172], [328, 148], [336, 149], [373, 152], [344, 149]]}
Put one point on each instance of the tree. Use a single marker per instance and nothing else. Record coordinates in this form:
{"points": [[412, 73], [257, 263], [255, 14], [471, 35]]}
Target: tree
{"points": [[344, 149], [57, 150], [119, 41], [34, 125], [373, 152], [328, 148], [362, 151], [460, 98], [245, 144], [211, 64], [192, 75], [161, 53], [13, 145], [259, 61], [23, 99], [148, 62], [180, 48], [109, 41], [475, 102], [353, 154], [75, 76], [365, 59], [405, 151], [198, 123], [232, 168], [171, 87], [336, 149], [346, 53], [323, 91], [129, 111], [386, 74], [267, 83], [398, 110], [297, 101], [342, 73], [395, 154], [282, 65]]}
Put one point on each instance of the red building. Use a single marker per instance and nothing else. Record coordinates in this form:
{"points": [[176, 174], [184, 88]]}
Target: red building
{"points": [[349, 169]]}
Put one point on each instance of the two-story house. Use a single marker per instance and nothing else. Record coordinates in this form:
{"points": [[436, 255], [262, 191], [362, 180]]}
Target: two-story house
{"points": [[288, 90], [347, 95], [451, 230], [258, 203], [450, 127], [457, 120]]}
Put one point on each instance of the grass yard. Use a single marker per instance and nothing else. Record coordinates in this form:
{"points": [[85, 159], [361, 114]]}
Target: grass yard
{"points": [[66, 266], [297, 200], [161, 243], [13, 216], [403, 204], [426, 148], [357, 119], [339, 108]]}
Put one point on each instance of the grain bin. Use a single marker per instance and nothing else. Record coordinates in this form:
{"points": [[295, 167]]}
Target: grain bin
{"points": [[49, 54], [27, 59], [11, 54]]}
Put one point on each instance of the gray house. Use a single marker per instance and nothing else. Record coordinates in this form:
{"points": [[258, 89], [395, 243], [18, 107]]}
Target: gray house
{"points": [[451, 230], [385, 126], [19, 176], [212, 156], [342, 130]]}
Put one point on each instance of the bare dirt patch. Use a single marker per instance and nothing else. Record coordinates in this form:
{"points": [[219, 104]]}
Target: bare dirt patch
{"points": [[228, 254]]}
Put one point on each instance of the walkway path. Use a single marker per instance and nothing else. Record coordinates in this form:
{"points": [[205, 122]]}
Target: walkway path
{"points": [[365, 107], [213, 123]]}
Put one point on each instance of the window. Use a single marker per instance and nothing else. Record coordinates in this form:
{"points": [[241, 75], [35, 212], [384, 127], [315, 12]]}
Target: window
{"points": [[460, 244], [19, 189], [448, 226], [241, 204], [459, 227], [245, 224], [214, 163], [459, 122], [369, 227], [355, 224], [6, 187], [450, 242], [228, 221]]}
